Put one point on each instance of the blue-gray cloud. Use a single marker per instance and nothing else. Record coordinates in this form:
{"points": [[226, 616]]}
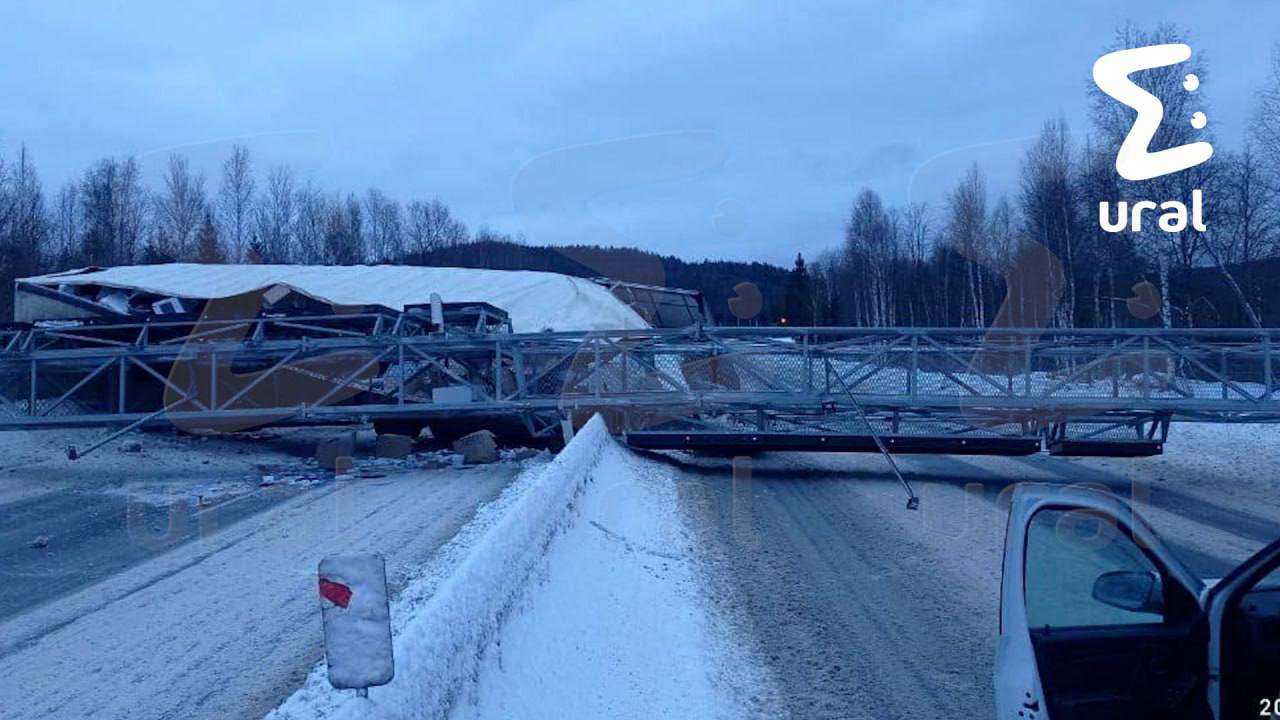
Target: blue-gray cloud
{"points": [[809, 101]]}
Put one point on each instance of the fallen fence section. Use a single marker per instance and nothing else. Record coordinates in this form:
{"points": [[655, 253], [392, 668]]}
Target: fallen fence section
{"points": [[714, 388]]}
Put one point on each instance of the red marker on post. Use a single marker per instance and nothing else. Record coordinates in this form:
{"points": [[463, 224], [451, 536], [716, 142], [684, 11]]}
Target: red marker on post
{"points": [[336, 593]]}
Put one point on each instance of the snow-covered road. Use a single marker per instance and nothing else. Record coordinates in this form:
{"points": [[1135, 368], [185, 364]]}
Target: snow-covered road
{"points": [[227, 624], [862, 609], [604, 583]]}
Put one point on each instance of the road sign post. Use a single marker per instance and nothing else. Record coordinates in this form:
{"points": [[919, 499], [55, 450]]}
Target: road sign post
{"points": [[357, 621]]}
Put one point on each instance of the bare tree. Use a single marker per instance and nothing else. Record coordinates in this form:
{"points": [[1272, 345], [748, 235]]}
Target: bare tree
{"points": [[132, 207], [1266, 119], [114, 212], [344, 232], [275, 217], [1049, 206], [208, 248], [67, 224], [235, 202], [1244, 222], [179, 210], [966, 230], [310, 224], [384, 227], [871, 251], [430, 226], [25, 230]]}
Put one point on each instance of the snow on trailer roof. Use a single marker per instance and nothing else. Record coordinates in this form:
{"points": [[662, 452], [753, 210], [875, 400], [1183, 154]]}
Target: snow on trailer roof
{"points": [[535, 301]]}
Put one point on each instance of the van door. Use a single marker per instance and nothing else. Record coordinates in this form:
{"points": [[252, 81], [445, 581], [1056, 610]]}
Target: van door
{"points": [[1244, 644], [1098, 619]]}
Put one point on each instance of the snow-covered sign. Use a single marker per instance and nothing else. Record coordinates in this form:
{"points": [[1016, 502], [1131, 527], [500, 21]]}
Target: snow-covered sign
{"points": [[357, 621]]}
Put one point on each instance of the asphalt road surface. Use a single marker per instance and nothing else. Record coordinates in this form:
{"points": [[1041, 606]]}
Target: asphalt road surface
{"points": [[222, 624], [862, 609]]}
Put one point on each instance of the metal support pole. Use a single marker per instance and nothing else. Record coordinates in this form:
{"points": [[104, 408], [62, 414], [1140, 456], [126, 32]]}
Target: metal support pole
{"points": [[213, 380], [808, 365], [1146, 366], [497, 371], [122, 391], [1266, 364], [915, 366], [31, 403], [595, 368], [1222, 370], [1026, 372]]}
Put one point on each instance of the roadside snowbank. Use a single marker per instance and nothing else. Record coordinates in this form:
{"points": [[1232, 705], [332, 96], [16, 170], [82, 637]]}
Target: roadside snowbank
{"points": [[443, 621], [618, 627]]}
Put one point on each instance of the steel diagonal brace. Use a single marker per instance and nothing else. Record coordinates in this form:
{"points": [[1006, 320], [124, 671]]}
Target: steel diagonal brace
{"points": [[168, 383], [88, 340], [874, 359], [260, 377], [433, 361], [81, 383], [990, 381], [1212, 373], [644, 362], [740, 359], [353, 375], [1115, 350], [204, 333], [555, 364]]}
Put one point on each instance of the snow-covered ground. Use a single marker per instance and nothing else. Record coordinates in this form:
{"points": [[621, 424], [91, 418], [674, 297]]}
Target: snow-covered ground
{"points": [[574, 595], [225, 622], [619, 624], [602, 584]]}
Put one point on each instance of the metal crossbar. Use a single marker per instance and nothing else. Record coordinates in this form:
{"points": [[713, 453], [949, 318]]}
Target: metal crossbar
{"points": [[965, 379]]}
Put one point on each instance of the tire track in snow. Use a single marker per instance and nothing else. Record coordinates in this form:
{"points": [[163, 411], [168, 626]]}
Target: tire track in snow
{"points": [[228, 631]]}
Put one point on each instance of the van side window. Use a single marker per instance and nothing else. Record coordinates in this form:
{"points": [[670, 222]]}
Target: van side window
{"points": [[1082, 571]]}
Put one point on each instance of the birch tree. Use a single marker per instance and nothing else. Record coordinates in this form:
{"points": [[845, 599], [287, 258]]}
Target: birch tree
{"points": [[235, 203]]}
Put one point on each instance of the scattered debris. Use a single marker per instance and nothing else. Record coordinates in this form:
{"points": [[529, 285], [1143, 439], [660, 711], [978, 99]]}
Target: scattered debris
{"points": [[332, 450], [518, 454], [477, 447], [40, 542], [131, 446], [393, 446]]}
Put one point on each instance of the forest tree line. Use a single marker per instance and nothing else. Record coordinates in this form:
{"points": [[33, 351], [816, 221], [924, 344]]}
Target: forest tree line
{"points": [[109, 216], [1041, 254]]}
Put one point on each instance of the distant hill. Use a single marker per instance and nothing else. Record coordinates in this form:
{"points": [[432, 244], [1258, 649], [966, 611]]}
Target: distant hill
{"points": [[714, 279]]}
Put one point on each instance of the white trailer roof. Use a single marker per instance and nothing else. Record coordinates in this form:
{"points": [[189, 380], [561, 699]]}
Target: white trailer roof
{"points": [[535, 301]]}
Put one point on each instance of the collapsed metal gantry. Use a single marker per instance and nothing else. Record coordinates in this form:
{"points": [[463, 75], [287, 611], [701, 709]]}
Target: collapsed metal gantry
{"points": [[725, 388]]}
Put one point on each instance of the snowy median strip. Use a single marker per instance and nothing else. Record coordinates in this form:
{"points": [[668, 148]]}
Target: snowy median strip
{"points": [[619, 624], [444, 620]]}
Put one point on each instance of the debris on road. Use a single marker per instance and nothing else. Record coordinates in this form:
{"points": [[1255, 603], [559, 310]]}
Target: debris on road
{"points": [[131, 446], [393, 446], [332, 452], [477, 447], [40, 542]]}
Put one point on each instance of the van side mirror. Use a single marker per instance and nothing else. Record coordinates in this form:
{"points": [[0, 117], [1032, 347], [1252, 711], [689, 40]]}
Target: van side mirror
{"points": [[1133, 590]]}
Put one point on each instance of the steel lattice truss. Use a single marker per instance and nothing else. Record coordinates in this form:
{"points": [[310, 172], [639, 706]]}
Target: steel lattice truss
{"points": [[235, 374]]}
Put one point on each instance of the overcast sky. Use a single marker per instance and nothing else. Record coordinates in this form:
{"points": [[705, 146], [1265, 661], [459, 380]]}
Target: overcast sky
{"points": [[698, 129]]}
